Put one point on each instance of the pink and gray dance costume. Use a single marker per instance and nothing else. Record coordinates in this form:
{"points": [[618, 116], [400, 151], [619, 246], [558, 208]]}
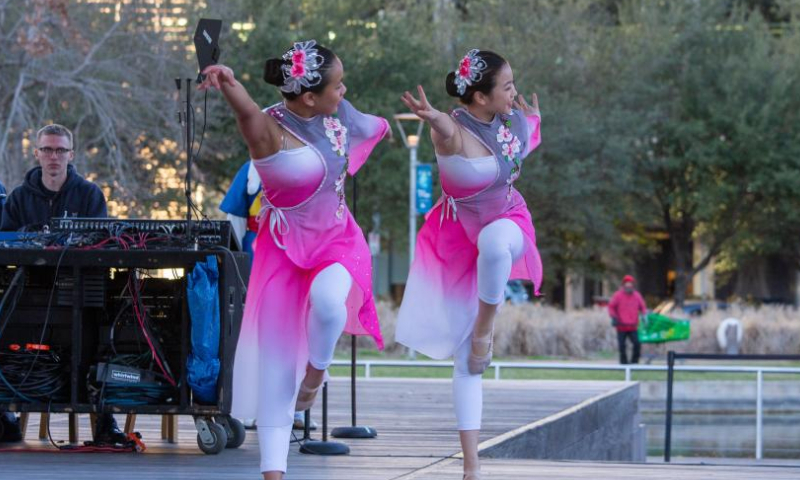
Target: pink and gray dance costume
{"points": [[478, 236], [311, 275]]}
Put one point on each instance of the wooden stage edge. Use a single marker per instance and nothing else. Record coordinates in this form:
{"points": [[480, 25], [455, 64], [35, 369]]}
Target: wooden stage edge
{"points": [[417, 439]]}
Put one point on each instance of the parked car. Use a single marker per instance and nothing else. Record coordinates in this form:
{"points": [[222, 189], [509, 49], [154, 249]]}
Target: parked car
{"points": [[691, 308], [516, 292], [600, 301]]}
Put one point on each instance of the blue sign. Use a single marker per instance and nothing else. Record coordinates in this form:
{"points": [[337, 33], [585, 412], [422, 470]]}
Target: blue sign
{"points": [[424, 188]]}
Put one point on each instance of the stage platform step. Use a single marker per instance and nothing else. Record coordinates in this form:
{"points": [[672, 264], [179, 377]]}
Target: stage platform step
{"points": [[417, 439]]}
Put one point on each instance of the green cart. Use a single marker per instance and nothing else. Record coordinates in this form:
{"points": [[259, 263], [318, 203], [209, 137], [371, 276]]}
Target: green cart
{"points": [[657, 328]]}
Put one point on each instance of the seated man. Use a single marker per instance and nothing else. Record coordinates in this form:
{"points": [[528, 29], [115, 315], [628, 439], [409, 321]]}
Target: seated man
{"points": [[54, 189]]}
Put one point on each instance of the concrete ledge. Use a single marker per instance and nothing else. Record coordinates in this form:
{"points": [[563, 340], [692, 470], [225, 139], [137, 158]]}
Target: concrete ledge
{"points": [[604, 427]]}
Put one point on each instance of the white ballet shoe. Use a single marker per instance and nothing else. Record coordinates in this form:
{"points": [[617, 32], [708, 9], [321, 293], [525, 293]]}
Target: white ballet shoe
{"points": [[477, 364], [307, 395]]}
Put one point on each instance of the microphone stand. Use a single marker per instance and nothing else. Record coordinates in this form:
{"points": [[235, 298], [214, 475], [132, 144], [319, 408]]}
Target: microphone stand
{"points": [[186, 117], [354, 430]]}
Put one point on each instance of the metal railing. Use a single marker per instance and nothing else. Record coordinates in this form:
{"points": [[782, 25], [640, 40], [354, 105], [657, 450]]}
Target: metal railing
{"points": [[627, 369], [759, 371], [669, 369]]}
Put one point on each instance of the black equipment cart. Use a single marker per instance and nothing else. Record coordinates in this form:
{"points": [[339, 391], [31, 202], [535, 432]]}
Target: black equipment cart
{"points": [[69, 311]]}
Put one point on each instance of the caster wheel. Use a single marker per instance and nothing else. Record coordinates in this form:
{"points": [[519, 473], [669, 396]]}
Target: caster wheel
{"points": [[235, 430], [211, 438]]}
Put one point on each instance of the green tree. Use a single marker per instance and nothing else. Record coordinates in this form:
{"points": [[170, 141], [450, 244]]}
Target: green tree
{"points": [[719, 145], [675, 117]]}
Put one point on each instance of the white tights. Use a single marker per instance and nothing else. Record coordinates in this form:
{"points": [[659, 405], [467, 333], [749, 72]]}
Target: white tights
{"points": [[326, 320], [328, 314], [500, 244]]}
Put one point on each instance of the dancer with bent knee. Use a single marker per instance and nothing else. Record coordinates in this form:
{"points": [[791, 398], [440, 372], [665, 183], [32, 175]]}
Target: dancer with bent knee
{"points": [[311, 271], [478, 236]]}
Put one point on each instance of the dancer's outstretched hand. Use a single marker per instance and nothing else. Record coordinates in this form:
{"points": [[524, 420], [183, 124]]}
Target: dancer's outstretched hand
{"points": [[528, 110], [216, 77], [420, 107]]}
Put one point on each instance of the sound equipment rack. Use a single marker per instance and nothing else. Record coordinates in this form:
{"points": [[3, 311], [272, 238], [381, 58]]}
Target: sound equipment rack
{"points": [[75, 291]]}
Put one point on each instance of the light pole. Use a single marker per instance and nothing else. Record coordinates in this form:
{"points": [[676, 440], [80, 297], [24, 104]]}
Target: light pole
{"points": [[411, 141]]}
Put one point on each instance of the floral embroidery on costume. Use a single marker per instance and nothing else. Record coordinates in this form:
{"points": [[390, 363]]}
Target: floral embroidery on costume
{"points": [[510, 146], [337, 134]]}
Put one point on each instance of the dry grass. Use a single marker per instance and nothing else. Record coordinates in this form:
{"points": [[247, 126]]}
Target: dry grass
{"points": [[535, 330], [767, 330]]}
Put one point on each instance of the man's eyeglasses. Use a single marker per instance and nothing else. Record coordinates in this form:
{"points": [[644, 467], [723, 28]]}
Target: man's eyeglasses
{"points": [[58, 151]]}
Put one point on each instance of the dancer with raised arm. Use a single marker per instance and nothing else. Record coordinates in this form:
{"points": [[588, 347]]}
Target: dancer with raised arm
{"points": [[311, 272], [478, 236]]}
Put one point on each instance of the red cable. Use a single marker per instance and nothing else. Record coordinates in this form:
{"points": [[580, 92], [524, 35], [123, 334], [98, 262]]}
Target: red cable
{"points": [[140, 319], [97, 245]]}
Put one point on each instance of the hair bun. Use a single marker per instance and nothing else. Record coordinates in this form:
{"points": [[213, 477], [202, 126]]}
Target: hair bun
{"points": [[273, 71], [450, 85]]}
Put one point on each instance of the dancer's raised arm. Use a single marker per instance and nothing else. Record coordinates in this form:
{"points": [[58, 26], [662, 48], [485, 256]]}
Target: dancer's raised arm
{"points": [[445, 134], [260, 132], [528, 110], [534, 119]]}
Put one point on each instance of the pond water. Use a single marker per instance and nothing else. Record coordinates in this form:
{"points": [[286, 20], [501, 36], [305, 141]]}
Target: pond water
{"points": [[725, 434]]}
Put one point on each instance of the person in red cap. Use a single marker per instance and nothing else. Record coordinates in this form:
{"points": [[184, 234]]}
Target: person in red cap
{"points": [[624, 308]]}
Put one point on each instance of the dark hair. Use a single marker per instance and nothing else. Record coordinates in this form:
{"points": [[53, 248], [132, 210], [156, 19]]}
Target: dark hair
{"points": [[494, 63], [273, 72]]}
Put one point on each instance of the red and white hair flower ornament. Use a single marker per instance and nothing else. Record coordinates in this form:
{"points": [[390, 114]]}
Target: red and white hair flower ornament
{"points": [[470, 71], [301, 69]]}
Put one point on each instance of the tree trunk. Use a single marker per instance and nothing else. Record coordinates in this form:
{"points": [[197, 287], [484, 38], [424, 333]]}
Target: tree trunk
{"points": [[682, 280], [680, 235]]}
